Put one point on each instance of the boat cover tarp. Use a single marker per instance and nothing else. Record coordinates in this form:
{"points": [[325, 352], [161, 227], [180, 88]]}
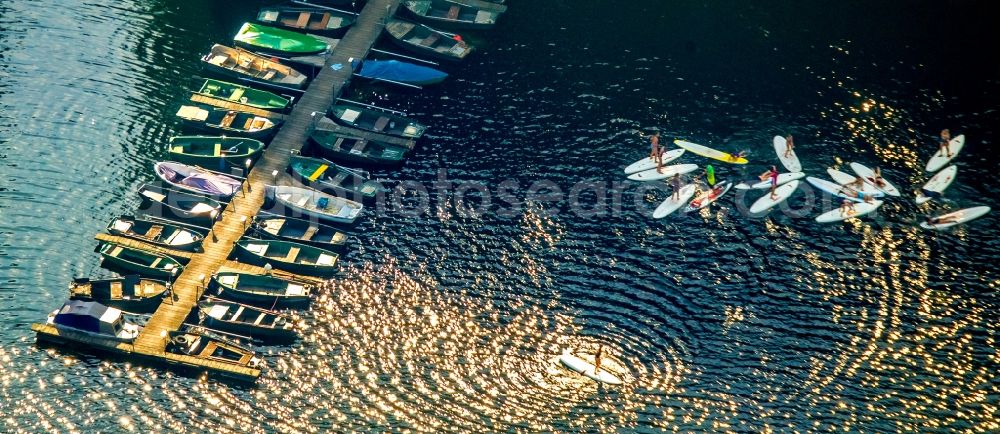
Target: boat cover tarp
{"points": [[206, 182], [87, 315], [404, 72]]}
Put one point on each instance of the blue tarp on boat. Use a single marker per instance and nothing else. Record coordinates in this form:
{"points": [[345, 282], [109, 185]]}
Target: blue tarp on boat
{"points": [[395, 70]]}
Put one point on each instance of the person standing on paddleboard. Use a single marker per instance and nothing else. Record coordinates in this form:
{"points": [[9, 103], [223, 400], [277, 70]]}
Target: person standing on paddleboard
{"points": [[945, 141], [654, 150], [789, 146], [675, 182], [773, 176], [597, 359]]}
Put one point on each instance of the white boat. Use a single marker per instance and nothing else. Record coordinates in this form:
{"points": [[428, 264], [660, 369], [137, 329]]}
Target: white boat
{"points": [[94, 319], [312, 203]]}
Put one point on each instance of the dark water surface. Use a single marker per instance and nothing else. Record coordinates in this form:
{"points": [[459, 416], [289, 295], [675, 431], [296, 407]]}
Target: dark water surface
{"points": [[446, 321]]}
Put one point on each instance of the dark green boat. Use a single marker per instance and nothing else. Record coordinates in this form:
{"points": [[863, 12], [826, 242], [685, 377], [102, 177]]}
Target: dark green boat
{"points": [[227, 121], [236, 93], [259, 324], [142, 262], [294, 257], [129, 293], [218, 153], [352, 150], [327, 176], [264, 291], [379, 121], [299, 231], [278, 41]]}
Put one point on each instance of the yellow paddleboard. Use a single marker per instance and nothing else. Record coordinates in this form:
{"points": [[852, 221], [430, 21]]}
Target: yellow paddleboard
{"points": [[705, 151]]}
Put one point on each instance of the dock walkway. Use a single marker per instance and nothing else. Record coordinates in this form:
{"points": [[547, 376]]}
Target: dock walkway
{"points": [[189, 286]]}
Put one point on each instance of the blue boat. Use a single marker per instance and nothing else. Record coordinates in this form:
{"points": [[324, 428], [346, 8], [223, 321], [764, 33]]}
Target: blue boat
{"points": [[402, 72]]}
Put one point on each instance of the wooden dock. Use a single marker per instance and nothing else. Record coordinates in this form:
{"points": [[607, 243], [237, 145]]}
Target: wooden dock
{"points": [[189, 286]]}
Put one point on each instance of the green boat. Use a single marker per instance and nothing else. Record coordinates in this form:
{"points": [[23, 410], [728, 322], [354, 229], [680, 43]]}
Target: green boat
{"points": [[376, 120], [263, 291], [278, 41], [142, 262], [236, 93], [214, 152], [353, 150], [294, 257], [326, 176], [227, 121]]}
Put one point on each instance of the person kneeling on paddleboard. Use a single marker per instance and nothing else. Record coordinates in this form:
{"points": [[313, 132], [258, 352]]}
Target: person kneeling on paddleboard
{"points": [[847, 208], [945, 140]]}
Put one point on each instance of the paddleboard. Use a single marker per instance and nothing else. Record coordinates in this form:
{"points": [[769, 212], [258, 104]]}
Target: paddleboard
{"points": [[705, 151], [781, 194], [650, 163], [860, 209], [961, 216], [587, 369], [791, 162], [670, 205], [706, 198], [869, 176], [843, 178], [668, 171], [937, 183], [782, 179], [831, 187], [939, 159]]}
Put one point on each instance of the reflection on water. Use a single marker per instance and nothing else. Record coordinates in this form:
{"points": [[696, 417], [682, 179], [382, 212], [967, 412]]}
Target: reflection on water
{"points": [[449, 322]]}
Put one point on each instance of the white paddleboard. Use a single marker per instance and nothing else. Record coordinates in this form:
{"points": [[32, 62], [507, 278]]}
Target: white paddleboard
{"points": [[670, 205], [705, 151], [650, 163], [939, 159], [860, 209], [869, 176], [844, 178], [791, 162], [832, 188], [668, 171], [706, 198], [938, 183], [587, 369], [961, 216], [782, 179], [781, 194]]}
